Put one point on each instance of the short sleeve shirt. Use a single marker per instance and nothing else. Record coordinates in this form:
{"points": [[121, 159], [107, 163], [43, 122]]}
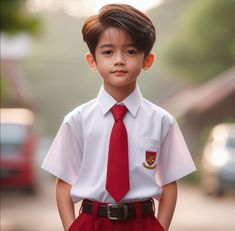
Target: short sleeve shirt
{"points": [[157, 151]]}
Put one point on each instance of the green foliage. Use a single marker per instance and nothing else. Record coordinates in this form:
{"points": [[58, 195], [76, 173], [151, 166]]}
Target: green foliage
{"points": [[5, 93], [14, 18], [205, 46]]}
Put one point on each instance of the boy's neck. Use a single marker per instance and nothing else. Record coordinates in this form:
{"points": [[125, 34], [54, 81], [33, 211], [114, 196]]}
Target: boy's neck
{"points": [[119, 93]]}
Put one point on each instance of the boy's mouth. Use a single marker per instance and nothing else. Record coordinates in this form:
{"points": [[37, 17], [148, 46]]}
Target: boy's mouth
{"points": [[119, 72]]}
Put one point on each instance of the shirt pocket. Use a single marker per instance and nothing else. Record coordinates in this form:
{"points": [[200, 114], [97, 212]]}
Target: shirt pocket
{"points": [[148, 153]]}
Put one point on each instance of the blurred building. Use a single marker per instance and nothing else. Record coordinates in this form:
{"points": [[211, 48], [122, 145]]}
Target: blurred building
{"points": [[199, 109], [14, 49]]}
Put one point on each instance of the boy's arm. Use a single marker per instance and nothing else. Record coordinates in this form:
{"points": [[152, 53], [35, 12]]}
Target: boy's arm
{"points": [[167, 204], [64, 203]]}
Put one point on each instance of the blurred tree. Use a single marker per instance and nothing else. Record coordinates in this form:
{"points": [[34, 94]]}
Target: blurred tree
{"points": [[205, 45], [14, 18]]}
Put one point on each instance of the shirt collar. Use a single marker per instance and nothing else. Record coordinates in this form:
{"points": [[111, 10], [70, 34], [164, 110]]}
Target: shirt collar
{"points": [[132, 102]]}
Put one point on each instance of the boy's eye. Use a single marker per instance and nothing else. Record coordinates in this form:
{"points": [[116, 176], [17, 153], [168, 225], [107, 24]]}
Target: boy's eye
{"points": [[132, 52], [108, 52]]}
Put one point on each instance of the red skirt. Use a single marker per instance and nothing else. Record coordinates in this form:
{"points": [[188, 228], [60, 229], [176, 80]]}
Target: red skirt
{"points": [[92, 222]]}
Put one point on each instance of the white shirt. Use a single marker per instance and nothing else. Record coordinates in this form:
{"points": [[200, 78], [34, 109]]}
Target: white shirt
{"points": [[79, 152]]}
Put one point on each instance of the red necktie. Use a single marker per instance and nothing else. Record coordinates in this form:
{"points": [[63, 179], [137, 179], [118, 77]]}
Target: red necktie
{"points": [[117, 183]]}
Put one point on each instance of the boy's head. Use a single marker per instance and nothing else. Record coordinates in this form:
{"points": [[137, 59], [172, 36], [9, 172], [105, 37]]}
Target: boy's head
{"points": [[132, 21]]}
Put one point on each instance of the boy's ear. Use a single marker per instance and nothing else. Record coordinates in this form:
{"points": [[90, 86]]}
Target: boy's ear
{"points": [[91, 61], [148, 61]]}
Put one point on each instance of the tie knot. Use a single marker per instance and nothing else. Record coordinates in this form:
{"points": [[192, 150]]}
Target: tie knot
{"points": [[118, 111]]}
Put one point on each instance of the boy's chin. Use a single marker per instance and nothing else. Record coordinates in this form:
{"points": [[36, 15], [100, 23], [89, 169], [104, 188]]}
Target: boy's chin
{"points": [[121, 85]]}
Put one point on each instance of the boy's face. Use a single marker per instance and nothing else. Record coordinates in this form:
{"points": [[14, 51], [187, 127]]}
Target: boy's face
{"points": [[117, 59]]}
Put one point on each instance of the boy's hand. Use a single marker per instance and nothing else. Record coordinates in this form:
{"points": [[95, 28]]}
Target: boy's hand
{"points": [[64, 203], [167, 204]]}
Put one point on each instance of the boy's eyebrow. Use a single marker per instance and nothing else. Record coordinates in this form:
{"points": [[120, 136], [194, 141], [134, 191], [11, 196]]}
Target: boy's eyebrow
{"points": [[111, 45], [106, 45]]}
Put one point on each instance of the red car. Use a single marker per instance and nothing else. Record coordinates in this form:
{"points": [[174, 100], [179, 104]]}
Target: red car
{"points": [[18, 146]]}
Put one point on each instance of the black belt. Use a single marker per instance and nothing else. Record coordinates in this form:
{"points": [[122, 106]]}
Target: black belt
{"points": [[119, 211]]}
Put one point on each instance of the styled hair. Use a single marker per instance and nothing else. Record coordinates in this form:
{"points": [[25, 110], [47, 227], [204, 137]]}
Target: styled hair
{"points": [[132, 21]]}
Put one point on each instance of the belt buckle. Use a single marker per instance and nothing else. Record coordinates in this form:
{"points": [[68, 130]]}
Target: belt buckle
{"points": [[116, 206]]}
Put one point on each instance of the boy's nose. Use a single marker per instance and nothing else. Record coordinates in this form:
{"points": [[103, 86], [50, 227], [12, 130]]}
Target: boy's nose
{"points": [[119, 61]]}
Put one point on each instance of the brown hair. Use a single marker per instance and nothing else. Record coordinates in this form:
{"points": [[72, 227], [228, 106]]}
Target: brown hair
{"points": [[125, 17]]}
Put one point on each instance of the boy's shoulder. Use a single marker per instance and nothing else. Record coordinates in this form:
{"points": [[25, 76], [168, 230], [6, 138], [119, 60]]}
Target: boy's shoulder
{"points": [[76, 112], [157, 110]]}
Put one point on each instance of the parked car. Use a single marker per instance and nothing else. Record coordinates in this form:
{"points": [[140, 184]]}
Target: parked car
{"points": [[18, 146], [218, 160]]}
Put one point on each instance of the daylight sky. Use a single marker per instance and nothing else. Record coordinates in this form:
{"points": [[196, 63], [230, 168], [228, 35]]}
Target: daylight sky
{"points": [[83, 8]]}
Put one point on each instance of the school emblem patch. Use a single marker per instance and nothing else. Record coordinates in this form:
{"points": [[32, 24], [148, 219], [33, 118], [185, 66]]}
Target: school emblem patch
{"points": [[150, 160]]}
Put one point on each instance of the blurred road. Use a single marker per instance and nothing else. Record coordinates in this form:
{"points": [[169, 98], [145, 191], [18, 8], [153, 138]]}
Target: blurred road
{"points": [[194, 211]]}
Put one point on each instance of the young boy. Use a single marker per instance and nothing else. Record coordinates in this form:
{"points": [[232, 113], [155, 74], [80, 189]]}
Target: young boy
{"points": [[118, 151]]}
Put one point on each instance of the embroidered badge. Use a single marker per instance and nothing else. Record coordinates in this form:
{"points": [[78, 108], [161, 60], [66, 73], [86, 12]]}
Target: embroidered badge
{"points": [[150, 159]]}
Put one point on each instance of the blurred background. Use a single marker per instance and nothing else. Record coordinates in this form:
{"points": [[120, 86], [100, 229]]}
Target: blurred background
{"points": [[44, 76]]}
